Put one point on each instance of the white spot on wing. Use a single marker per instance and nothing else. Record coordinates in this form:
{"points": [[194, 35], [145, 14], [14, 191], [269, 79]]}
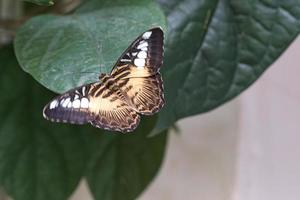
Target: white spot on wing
{"points": [[76, 103], [144, 49], [125, 60], [142, 54], [142, 45], [139, 62], [62, 101], [69, 105], [147, 35], [76, 97], [83, 91], [66, 102], [53, 104], [134, 53], [84, 103]]}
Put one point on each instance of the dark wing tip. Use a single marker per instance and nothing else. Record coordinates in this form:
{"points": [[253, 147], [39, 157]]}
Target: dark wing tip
{"points": [[157, 28], [156, 46]]}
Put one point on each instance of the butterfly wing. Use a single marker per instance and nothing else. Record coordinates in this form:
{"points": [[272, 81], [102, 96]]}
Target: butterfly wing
{"points": [[111, 111], [70, 107], [137, 72], [145, 93], [143, 57], [95, 104]]}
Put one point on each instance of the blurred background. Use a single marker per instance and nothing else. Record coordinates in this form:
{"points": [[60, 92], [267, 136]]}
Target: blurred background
{"points": [[246, 149]]}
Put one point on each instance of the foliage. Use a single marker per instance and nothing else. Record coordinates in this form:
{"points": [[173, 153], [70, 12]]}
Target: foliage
{"points": [[41, 2], [217, 49], [214, 50]]}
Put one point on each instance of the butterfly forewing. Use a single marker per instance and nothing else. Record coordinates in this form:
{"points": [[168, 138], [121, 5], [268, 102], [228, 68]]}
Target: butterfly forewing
{"points": [[137, 72], [144, 54], [70, 107], [92, 103]]}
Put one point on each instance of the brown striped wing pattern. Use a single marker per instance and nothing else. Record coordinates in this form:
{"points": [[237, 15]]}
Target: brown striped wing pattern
{"points": [[137, 72], [145, 93], [115, 103], [110, 111]]}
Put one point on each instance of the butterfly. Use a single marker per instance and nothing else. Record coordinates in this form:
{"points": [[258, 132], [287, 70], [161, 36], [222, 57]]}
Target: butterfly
{"points": [[134, 87]]}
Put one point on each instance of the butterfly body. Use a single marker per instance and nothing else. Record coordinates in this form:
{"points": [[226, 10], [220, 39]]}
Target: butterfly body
{"points": [[115, 103]]}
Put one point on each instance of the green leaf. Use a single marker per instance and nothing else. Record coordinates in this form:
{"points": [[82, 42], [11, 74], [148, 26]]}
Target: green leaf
{"points": [[94, 5], [38, 159], [123, 165], [217, 49], [43, 160], [62, 52], [41, 2]]}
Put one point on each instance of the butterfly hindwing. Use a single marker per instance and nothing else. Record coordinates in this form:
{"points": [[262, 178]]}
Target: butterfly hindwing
{"points": [[111, 111], [146, 93]]}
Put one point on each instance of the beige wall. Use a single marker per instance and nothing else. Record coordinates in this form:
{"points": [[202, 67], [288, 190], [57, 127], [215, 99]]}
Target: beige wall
{"points": [[269, 145]]}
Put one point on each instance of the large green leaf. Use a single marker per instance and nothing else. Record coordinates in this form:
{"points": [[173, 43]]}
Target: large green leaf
{"points": [[62, 52], [43, 160], [38, 159], [217, 48], [123, 165]]}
